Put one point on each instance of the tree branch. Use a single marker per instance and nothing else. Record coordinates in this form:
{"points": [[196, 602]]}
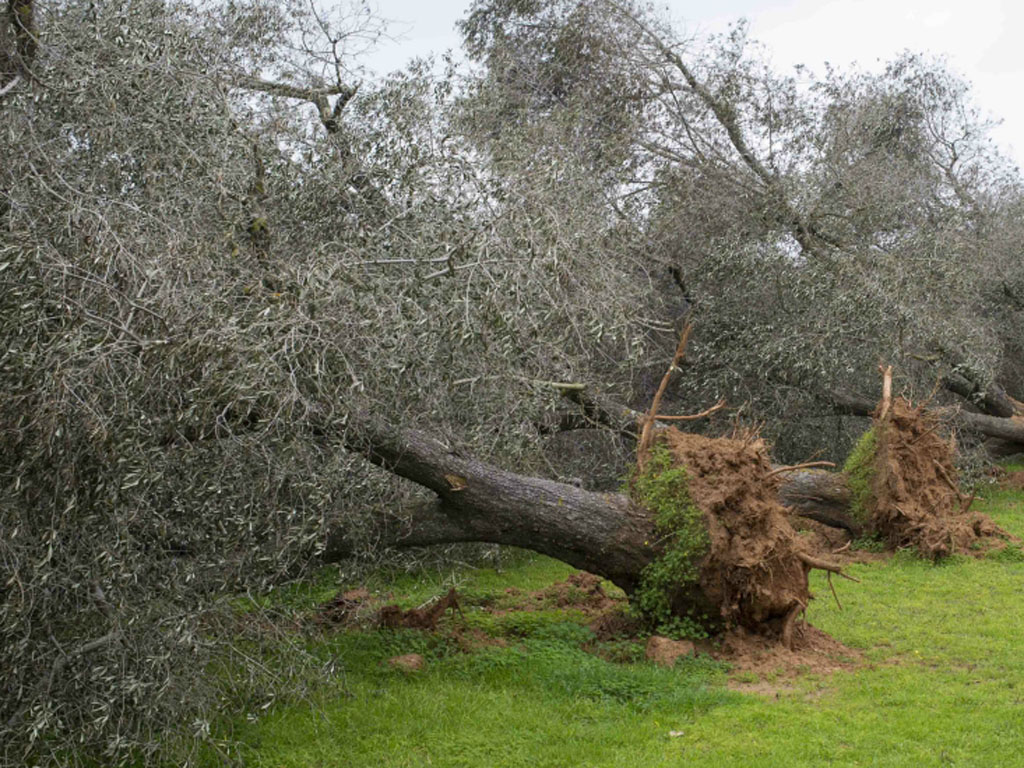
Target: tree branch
{"points": [[317, 96]]}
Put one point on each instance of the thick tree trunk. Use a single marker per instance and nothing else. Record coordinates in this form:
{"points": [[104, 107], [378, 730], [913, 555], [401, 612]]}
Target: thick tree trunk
{"points": [[821, 496], [603, 533], [1007, 429], [991, 400]]}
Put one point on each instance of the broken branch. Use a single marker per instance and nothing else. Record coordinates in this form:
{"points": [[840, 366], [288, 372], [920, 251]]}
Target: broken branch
{"points": [[652, 415], [694, 417], [822, 565]]}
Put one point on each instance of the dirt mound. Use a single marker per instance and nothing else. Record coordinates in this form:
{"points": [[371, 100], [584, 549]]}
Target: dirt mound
{"points": [[917, 500], [616, 623], [346, 608], [1012, 480], [774, 667], [754, 573], [581, 590]]}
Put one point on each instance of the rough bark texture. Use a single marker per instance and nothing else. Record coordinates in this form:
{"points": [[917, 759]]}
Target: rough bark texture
{"points": [[603, 533], [821, 496], [1007, 429]]}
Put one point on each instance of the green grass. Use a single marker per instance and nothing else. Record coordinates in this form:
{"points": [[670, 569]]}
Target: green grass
{"points": [[943, 683]]}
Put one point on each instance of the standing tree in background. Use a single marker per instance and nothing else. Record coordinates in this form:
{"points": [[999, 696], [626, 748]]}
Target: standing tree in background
{"points": [[813, 224]]}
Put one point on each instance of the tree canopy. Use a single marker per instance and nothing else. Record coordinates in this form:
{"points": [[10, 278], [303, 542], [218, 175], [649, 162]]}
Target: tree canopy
{"points": [[221, 241]]}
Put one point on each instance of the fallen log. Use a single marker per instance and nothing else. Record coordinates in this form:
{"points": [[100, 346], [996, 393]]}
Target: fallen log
{"points": [[745, 564], [1008, 429]]}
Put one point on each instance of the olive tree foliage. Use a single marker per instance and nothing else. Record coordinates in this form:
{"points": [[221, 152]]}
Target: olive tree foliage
{"points": [[218, 239], [815, 224]]}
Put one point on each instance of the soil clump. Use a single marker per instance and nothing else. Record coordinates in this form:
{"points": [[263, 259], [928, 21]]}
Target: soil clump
{"points": [[755, 571], [393, 617], [917, 502]]}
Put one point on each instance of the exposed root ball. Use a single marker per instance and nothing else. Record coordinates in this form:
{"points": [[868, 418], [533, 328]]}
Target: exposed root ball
{"points": [[917, 500], [753, 574]]}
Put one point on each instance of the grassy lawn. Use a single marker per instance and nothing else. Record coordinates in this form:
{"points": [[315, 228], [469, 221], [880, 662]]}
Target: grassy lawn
{"points": [[942, 683]]}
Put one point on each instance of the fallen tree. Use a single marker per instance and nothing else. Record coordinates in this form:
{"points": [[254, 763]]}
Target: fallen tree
{"points": [[695, 498], [1008, 429], [742, 563]]}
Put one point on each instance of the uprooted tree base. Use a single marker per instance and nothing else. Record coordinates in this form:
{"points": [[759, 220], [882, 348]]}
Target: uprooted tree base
{"points": [[752, 573], [914, 498], [728, 554]]}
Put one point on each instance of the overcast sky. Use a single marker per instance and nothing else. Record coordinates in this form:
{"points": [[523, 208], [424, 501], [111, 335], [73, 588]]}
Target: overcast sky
{"points": [[982, 39]]}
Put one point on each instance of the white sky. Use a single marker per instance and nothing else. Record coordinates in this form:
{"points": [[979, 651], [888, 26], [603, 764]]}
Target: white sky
{"points": [[982, 39]]}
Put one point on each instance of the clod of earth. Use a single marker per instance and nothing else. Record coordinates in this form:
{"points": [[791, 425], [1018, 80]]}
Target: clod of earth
{"points": [[393, 617], [665, 652], [410, 662]]}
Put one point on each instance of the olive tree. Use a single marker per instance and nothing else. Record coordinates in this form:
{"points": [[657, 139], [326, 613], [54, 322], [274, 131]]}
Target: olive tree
{"points": [[219, 241], [814, 224]]}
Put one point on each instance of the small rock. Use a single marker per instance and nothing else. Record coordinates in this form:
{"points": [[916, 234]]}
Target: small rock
{"points": [[664, 652], [410, 662], [676, 734]]}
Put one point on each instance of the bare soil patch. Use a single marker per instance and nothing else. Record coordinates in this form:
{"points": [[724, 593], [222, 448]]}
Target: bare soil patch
{"points": [[774, 667]]}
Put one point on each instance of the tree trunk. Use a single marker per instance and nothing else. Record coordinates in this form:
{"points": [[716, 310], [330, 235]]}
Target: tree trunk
{"points": [[821, 496], [991, 400], [603, 533], [1008, 429]]}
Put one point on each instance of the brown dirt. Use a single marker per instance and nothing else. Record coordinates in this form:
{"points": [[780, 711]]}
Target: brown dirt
{"points": [[665, 652], [581, 590], [752, 575], [918, 502], [410, 662], [813, 653], [346, 608], [1012, 480], [833, 544], [617, 623], [393, 617]]}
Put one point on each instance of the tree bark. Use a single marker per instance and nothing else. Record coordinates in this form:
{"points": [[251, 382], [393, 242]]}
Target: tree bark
{"points": [[991, 400], [1008, 429], [821, 496], [604, 533]]}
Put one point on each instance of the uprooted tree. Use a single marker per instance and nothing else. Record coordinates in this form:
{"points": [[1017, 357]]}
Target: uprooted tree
{"points": [[699, 538]]}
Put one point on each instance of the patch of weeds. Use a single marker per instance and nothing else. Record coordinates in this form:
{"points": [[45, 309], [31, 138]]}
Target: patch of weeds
{"points": [[663, 489], [1011, 553], [869, 543], [368, 649], [690, 627], [523, 624], [860, 469], [749, 678], [619, 651]]}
